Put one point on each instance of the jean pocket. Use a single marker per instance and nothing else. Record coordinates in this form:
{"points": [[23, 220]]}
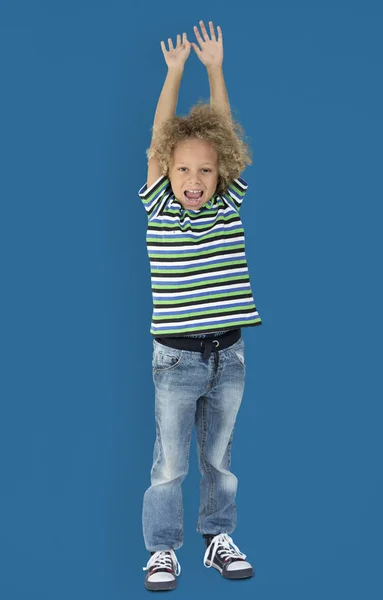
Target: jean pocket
{"points": [[238, 352], [165, 358]]}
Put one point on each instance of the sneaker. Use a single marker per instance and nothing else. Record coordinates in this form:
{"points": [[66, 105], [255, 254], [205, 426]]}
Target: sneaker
{"points": [[162, 569], [222, 554]]}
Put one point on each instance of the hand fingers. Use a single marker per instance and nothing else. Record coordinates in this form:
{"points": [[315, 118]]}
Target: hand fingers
{"points": [[219, 33], [204, 32], [185, 41], [212, 32], [199, 39], [163, 47], [196, 49]]}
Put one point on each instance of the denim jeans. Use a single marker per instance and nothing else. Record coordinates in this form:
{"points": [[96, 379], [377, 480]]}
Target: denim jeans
{"points": [[205, 393]]}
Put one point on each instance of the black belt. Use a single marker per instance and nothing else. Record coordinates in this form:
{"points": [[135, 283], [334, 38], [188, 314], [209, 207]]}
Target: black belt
{"points": [[205, 345]]}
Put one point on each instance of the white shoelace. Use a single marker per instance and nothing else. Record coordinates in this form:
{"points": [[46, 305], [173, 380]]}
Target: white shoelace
{"points": [[229, 549], [160, 559]]}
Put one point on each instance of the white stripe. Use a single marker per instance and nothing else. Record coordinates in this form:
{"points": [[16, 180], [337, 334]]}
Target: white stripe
{"points": [[203, 306], [219, 226], [211, 218], [212, 274], [207, 320], [209, 244], [174, 295], [198, 261]]}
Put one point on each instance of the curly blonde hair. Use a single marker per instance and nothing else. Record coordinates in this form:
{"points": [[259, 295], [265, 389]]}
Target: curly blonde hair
{"points": [[207, 123]]}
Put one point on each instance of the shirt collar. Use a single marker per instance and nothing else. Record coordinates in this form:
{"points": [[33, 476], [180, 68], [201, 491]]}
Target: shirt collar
{"points": [[207, 205]]}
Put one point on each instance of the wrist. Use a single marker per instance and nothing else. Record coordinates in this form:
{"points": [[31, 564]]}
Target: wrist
{"points": [[214, 68], [178, 69]]}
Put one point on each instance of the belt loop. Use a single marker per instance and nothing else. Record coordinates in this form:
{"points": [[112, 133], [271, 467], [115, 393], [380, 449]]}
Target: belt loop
{"points": [[208, 344], [216, 352], [216, 355]]}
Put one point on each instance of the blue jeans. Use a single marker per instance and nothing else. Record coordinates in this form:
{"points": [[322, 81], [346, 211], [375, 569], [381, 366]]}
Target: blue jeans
{"points": [[207, 393]]}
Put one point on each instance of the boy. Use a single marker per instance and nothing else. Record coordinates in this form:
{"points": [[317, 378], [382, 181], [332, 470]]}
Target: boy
{"points": [[202, 297]]}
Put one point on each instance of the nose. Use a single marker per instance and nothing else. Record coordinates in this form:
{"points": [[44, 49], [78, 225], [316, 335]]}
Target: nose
{"points": [[193, 175], [194, 181]]}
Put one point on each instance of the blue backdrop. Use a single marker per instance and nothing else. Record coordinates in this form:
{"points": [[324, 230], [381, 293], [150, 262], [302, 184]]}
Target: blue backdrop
{"points": [[80, 82]]}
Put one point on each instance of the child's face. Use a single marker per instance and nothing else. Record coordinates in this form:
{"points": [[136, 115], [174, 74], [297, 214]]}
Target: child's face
{"points": [[194, 166]]}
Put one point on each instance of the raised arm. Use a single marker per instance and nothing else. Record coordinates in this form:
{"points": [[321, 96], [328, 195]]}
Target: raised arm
{"points": [[210, 54], [218, 92], [166, 107]]}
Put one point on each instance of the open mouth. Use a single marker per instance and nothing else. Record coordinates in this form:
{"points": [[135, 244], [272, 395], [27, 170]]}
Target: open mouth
{"points": [[193, 196]]}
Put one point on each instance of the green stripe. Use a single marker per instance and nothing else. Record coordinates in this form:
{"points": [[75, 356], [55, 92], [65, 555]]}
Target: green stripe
{"points": [[244, 278], [207, 297], [203, 313], [215, 235], [238, 246], [200, 267]]}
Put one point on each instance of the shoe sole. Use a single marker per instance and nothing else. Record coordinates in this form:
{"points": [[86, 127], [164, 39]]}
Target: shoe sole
{"points": [[154, 586], [240, 574]]}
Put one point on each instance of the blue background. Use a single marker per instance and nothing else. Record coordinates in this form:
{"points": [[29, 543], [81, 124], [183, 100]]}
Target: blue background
{"points": [[79, 86]]}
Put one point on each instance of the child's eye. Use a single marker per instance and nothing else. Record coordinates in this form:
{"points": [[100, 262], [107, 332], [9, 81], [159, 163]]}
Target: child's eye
{"points": [[180, 169]]}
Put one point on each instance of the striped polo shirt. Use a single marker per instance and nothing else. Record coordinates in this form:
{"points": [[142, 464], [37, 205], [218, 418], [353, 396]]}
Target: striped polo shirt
{"points": [[199, 273]]}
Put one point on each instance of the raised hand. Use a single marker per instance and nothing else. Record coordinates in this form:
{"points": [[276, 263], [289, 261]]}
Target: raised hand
{"points": [[176, 57], [210, 52]]}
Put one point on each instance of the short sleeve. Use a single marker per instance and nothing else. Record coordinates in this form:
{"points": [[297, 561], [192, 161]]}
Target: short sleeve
{"points": [[154, 197], [235, 193]]}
